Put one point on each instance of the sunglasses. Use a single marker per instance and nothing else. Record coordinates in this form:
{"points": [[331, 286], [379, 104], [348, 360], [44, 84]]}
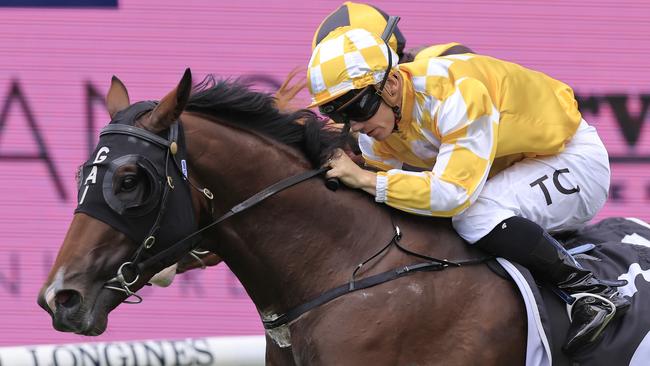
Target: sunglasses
{"points": [[357, 105]]}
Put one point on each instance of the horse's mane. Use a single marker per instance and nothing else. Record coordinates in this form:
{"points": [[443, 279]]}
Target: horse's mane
{"points": [[232, 100]]}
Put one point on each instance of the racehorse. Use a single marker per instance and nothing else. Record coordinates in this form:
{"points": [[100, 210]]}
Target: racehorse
{"points": [[287, 249]]}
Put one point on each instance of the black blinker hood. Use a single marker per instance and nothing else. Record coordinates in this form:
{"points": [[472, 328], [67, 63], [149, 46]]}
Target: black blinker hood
{"points": [[136, 214]]}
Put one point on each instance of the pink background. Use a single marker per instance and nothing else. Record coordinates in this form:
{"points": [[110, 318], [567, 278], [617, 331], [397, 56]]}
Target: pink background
{"points": [[599, 47]]}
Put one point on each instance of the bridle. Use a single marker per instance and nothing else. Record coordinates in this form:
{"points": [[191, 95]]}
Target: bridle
{"points": [[170, 145], [123, 280], [189, 243]]}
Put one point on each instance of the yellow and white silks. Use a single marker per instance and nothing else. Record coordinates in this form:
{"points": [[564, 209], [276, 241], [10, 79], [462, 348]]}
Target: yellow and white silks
{"points": [[465, 118]]}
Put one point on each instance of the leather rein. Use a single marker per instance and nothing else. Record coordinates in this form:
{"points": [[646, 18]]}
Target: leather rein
{"points": [[190, 242]]}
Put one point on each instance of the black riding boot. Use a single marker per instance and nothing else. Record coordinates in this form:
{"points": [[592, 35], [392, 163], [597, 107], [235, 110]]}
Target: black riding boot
{"points": [[526, 243]]}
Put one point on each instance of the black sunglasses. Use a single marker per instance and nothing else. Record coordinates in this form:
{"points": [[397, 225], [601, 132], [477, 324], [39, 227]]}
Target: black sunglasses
{"points": [[357, 105]]}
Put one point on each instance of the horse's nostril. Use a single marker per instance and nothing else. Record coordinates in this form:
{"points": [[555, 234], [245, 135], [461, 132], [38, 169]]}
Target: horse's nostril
{"points": [[68, 298]]}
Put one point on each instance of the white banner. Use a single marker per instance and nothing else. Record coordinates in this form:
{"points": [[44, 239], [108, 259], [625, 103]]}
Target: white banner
{"points": [[214, 351]]}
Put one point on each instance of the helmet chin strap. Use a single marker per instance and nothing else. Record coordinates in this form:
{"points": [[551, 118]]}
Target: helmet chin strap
{"points": [[397, 113]]}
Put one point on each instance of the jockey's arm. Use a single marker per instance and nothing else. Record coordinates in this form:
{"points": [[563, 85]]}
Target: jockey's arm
{"points": [[467, 123]]}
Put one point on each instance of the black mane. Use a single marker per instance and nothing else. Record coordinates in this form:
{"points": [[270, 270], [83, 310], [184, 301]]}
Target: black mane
{"points": [[235, 102]]}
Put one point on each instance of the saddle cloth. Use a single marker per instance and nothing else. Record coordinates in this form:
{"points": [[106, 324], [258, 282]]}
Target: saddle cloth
{"points": [[620, 250]]}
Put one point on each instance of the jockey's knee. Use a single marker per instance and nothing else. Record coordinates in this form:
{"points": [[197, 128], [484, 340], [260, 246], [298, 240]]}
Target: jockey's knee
{"points": [[479, 220]]}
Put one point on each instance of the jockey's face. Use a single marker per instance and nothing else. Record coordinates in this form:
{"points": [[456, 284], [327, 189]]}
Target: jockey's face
{"points": [[379, 126], [382, 124]]}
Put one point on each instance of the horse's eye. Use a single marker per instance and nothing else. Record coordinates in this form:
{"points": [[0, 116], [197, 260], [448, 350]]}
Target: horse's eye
{"points": [[128, 183]]}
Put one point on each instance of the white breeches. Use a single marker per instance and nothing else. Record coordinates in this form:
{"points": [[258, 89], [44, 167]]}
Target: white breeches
{"points": [[559, 192]]}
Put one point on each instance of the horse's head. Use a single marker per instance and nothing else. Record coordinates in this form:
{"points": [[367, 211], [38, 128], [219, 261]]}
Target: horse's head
{"points": [[132, 202]]}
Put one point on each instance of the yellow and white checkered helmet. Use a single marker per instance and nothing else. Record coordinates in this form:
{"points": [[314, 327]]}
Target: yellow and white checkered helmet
{"points": [[347, 59]]}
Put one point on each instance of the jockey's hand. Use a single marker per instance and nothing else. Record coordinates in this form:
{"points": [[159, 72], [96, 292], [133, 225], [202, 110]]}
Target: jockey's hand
{"points": [[351, 174], [285, 96]]}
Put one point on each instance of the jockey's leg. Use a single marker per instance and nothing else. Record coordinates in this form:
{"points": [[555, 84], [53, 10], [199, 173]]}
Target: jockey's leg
{"points": [[525, 242], [548, 194]]}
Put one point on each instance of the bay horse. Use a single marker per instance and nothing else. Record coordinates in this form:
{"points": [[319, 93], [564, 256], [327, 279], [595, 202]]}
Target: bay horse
{"points": [[287, 250]]}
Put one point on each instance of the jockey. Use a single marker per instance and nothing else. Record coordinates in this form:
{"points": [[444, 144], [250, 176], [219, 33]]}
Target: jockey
{"points": [[504, 152], [374, 20]]}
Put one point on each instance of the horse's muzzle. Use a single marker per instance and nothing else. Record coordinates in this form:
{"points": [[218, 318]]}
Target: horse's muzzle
{"points": [[70, 313]]}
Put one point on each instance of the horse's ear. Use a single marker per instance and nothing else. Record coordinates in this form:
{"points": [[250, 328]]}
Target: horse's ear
{"points": [[117, 97], [171, 106]]}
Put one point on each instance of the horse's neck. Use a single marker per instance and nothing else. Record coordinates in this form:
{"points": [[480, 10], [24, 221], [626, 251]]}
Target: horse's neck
{"points": [[304, 240]]}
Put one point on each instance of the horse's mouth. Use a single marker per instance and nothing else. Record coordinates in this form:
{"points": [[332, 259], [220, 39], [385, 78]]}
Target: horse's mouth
{"points": [[86, 324], [91, 322], [92, 317], [95, 327]]}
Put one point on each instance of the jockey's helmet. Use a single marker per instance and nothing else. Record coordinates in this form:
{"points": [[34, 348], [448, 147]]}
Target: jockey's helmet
{"points": [[343, 73], [360, 16]]}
